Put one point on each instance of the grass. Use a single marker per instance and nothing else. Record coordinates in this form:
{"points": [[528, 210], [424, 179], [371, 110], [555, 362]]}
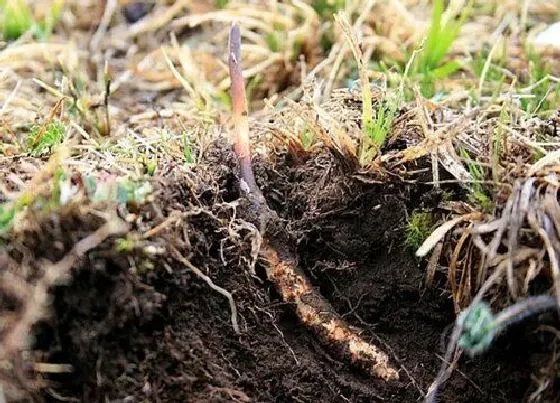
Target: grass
{"points": [[7, 214], [376, 124], [439, 39], [273, 44], [17, 18], [306, 138], [378, 127], [478, 194], [544, 92], [187, 149], [328, 8]]}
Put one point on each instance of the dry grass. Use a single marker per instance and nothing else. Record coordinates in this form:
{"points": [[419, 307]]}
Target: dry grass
{"points": [[491, 126]]}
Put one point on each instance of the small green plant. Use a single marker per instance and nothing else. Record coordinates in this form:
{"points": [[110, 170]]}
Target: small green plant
{"points": [[124, 245], [9, 211], [61, 191], [418, 228], [306, 138], [490, 72], [327, 8], [478, 194], [45, 27], [297, 48], [498, 140], [45, 138], [7, 214], [151, 165], [187, 149], [377, 127], [275, 40], [17, 18], [543, 96], [117, 190], [377, 124], [439, 39], [327, 38], [253, 85]]}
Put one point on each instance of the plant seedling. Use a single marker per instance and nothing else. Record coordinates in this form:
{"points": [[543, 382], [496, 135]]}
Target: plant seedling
{"points": [[377, 124], [478, 193], [16, 18]]}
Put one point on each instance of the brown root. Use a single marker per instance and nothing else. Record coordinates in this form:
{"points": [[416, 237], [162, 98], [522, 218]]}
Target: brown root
{"points": [[315, 312]]}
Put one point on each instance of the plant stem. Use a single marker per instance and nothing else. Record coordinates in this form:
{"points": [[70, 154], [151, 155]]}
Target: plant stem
{"points": [[240, 109], [107, 79]]}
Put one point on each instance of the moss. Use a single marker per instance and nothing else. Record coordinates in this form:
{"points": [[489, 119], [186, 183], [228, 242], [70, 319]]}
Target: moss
{"points": [[418, 228]]}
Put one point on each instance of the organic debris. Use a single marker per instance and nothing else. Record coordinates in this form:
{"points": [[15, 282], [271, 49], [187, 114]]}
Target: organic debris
{"points": [[396, 178]]}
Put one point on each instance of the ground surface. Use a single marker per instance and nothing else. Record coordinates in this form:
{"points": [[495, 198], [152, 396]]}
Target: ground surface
{"points": [[98, 313], [159, 334]]}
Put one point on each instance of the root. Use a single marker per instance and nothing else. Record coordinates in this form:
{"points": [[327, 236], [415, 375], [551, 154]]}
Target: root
{"points": [[315, 312], [177, 255]]}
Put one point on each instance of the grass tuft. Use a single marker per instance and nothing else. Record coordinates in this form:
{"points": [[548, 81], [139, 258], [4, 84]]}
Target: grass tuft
{"points": [[376, 124], [478, 194], [16, 18], [438, 42]]}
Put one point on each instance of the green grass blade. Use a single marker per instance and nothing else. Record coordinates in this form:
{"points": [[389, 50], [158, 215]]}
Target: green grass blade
{"points": [[447, 69]]}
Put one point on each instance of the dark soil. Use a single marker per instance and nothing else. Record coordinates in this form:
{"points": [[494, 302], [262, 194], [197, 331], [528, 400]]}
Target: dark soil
{"points": [[138, 328]]}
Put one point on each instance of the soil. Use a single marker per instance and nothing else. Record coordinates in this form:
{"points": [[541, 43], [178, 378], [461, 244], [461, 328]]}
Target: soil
{"points": [[142, 329]]}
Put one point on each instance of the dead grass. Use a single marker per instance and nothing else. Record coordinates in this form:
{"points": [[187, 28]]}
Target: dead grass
{"points": [[491, 128]]}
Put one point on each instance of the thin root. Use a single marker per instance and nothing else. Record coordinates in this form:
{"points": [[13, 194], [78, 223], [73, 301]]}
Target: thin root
{"points": [[177, 255]]}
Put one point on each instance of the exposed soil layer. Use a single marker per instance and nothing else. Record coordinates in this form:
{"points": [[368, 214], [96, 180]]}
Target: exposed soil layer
{"points": [[141, 328]]}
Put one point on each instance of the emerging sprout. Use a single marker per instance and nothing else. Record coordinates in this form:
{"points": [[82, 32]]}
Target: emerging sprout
{"points": [[240, 110]]}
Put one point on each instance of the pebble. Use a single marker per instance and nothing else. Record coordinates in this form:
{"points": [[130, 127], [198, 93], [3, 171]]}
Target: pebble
{"points": [[133, 12]]}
